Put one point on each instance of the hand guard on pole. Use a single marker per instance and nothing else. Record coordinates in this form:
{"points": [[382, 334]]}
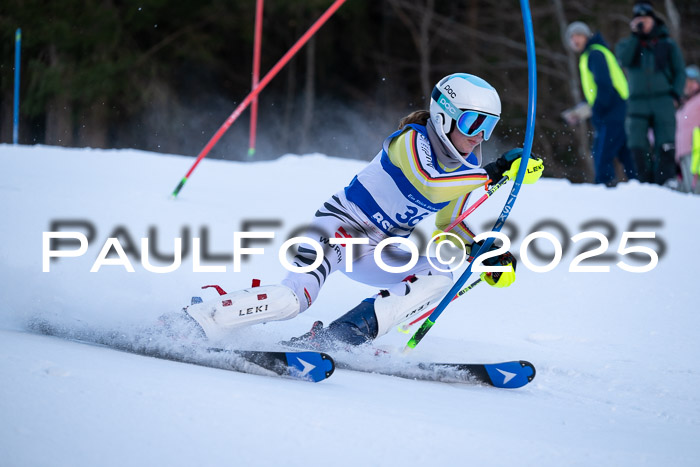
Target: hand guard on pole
{"points": [[496, 279], [508, 166], [500, 279]]}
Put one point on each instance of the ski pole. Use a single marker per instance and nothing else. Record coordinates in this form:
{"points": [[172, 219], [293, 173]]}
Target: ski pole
{"points": [[478, 203], [405, 327], [508, 207], [258, 89]]}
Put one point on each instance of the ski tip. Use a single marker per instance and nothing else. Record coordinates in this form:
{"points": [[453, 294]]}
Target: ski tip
{"points": [[526, 364], [330, 369], [511, 375], [311, 366]]}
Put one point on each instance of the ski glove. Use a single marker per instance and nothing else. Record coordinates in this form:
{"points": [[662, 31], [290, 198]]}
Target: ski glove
{"points": [[499, 279], [495, 279], [508, 165]]}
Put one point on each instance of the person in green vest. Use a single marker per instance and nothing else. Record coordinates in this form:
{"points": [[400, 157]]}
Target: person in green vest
{"points": [[605, 89], [656, 76], [688, 132]]}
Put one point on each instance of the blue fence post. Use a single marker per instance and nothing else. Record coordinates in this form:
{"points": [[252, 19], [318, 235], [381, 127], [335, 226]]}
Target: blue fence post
{"points": [[15, 122]]}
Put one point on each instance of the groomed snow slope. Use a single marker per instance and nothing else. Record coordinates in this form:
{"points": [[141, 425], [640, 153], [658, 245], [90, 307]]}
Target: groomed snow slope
{"points": [[616, 353]]}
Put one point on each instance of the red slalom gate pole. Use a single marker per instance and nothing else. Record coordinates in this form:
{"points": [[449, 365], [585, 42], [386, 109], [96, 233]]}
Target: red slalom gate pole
{"points": [[257, 46], [254, 93]]}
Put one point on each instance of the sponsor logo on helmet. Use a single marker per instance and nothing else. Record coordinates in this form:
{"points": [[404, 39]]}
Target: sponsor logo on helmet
{"points": [[449, 108], [450, 92]]}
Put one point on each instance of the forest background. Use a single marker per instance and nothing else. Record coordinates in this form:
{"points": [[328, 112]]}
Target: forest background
{"points": [[163, 76]]}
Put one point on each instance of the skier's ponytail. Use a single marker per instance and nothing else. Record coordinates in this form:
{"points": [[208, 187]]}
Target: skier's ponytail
{"points": [[420, 117]]}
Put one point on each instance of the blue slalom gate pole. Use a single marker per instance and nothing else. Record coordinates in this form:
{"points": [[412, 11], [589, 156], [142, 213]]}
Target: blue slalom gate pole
{"points": [[15, 121], [527, 148]]}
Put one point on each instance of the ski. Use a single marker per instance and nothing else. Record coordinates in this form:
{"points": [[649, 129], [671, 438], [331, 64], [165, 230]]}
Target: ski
{"points": [[307, 365], [302, 365], [509, 375]]}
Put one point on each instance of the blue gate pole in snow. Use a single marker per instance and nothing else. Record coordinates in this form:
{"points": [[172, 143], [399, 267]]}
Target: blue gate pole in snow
{"points": [[15, 121], [527, 148]]}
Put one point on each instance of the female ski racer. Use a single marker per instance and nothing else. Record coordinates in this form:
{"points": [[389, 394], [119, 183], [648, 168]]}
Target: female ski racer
{"points": [[428, 166]]}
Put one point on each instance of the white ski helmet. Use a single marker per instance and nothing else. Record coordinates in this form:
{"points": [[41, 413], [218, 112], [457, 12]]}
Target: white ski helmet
{"points": [[467, 102]]}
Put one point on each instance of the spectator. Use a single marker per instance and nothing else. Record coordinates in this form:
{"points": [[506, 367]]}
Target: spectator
{"points": [[605, 89], [656, 78], [688, 131]]}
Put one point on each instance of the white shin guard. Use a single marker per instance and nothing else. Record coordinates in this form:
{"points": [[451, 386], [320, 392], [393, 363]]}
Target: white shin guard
{"points": [[244, 308], [408, 299]]}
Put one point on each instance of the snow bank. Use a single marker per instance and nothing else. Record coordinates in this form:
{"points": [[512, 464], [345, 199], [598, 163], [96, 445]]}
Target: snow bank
{"points": [[616, 352]]}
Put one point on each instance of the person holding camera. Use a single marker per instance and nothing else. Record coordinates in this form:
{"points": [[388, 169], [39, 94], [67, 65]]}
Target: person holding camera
{"points": [[656, 77]]}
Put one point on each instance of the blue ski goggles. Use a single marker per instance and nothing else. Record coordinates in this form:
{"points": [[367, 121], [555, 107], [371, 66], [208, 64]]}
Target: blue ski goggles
{"points": [[469, 122]]}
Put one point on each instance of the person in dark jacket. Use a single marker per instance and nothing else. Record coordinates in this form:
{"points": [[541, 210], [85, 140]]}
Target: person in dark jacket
{"points": [[605, 89], [656, 76]]}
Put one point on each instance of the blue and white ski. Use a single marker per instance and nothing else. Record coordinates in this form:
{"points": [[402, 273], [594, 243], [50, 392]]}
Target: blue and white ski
{"points": [[509, 375], [303, 365], [307, 365]]}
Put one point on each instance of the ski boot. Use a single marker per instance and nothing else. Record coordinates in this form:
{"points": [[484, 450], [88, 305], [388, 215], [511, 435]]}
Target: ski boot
{"points": [[246, 307], [376, 316]]}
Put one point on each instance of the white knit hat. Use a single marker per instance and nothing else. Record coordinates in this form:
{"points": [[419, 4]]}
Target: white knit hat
{"points": [[577, 27]]}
